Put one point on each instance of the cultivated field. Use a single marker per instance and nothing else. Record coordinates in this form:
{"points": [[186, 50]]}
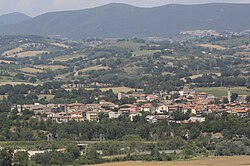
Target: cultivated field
{"points": [[31, 70], [13, 51], [222, 91], [200, 75], [68, 57], [47, 97], [26, 54], [16, 83], [129, 45], [115, 89], [51, 67], [99, 67], [4, 61], [213, 161], [211, 46], [60, 45], [145, 52]]}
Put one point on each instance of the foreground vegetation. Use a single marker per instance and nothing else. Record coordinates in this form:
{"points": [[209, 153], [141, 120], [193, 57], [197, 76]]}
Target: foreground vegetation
{"points": [[218, 161]]}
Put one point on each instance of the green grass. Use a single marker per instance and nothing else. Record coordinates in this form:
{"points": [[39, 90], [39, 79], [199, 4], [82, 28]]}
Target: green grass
{"points": [[222, 91], [115, 89], [34, 145], [5, 79], [128, 45], [2, 96], [48, 97], [145, 52], [99, 67], [68, 57]]}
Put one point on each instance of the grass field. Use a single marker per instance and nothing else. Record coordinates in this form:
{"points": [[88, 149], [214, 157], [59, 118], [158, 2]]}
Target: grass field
{"points": [[212, 161], [115, 89], [222, 91], [48, 97], [4, 61], [2, 96], [16, 83], [10, 52], [51, 67], [145, 52], [5, 79], [31, 70], [129, 45], [68, 57], [211, 46], [200, 75], [99, 67], [26, 54], [60, 45]]}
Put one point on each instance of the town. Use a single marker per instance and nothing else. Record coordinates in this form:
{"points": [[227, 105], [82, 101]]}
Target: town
{"points": [[192, 106]]}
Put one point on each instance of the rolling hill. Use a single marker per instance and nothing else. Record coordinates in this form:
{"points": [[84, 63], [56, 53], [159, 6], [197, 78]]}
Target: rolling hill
{"points": [[120, 20], [13, 18]]}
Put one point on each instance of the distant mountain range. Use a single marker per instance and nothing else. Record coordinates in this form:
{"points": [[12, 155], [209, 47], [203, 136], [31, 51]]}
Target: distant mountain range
{"points": [[120, 20], [13, 18]]}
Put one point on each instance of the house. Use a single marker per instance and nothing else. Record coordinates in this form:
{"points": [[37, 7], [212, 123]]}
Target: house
{"points": [[151, 119], [152, 97], [161, 118], [241, 112], [186, 90], [132, 108], [202, 95], [148, 107], [108, 104], [122, 95], [196, 119], [74, 107], [133, 115], [124, 111], [162, 109], [64, 117], [91, 115], [114, 115], [173, 108], [38, 108]]}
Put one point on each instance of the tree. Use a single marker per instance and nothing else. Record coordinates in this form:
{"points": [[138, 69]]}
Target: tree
{"points": [[4, 107], [74, 150], [179, 116], [194, 132], [231, 147], [248, 99], [156, 154], [33, 80], [225, 100], [5, 157], [91, 157], [21, 158], [234, 96]]}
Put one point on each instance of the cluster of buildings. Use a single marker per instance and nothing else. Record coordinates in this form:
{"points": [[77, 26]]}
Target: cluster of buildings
{"points": [[159, 106]]}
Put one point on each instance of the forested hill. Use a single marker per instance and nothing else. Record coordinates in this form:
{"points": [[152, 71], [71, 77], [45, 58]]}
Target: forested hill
{"points": [[13, 18], [120, 20]]}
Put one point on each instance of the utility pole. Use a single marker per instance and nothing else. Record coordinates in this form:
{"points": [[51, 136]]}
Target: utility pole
{"points": [[229, 95], [102, 137], [156, 139]]}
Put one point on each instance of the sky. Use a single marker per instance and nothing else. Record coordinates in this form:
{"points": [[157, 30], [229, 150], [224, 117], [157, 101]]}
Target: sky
{"points": [[37, 7]]}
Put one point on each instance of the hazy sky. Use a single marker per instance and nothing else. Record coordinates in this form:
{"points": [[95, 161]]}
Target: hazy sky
{"points": [[36, 7]]}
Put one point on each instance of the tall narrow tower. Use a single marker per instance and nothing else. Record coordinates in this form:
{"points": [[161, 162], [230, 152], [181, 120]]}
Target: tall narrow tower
{"points": [[229, 95]]}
